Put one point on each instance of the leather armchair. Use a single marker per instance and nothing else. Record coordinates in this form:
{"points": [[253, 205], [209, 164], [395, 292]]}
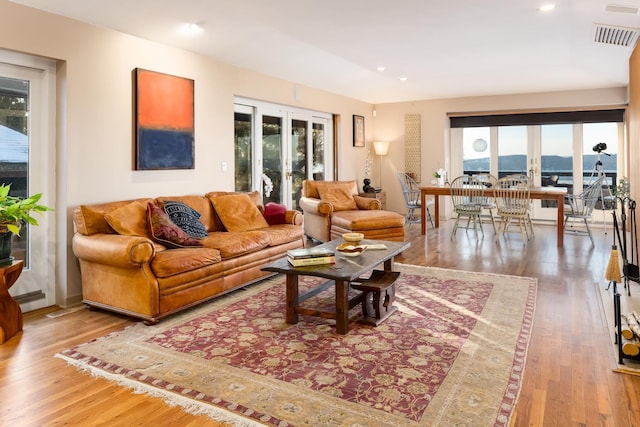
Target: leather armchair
{"points": [[332, 208]]}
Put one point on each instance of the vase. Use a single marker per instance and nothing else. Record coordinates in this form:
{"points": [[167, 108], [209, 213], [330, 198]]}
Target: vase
{"points": [[441, 181], [5, 247]]}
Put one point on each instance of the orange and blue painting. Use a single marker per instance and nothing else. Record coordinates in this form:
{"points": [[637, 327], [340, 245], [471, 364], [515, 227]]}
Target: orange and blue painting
{"points": [[164, 121]]}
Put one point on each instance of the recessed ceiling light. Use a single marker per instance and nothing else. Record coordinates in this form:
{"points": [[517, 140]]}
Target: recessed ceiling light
{"points": [[381, 68], [403, 79], [193, 27], [547, 7]]}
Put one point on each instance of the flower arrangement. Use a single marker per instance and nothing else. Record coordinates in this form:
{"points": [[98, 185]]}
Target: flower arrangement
{"points": [[436, 174], [268, 185]]}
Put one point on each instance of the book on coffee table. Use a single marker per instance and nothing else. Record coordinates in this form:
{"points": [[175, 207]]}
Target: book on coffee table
{"points": [[306, 253], [301, 262]]}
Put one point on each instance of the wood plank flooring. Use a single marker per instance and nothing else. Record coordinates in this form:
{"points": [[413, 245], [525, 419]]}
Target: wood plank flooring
{"points": [[568, 379]]}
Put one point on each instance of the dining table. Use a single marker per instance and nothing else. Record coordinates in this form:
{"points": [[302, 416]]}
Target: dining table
{"points": [[540, 193]]}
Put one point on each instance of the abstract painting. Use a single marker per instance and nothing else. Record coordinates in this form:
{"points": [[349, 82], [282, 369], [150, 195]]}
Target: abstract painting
{"points": [[164, 119]]}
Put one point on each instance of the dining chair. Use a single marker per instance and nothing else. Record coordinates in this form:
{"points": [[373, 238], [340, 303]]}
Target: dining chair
{"points": [[488, 203], [466, 196], [581, 207], [513, 202], [525, 178], [411, 192]]}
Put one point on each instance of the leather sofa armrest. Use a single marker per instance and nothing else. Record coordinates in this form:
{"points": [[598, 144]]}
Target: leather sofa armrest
{"points": [[113, 249], [368, 203], [315, 206], [293, 217]]}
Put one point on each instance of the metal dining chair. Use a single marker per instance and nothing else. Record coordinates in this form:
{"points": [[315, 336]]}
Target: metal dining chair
{"points": [[581, 207], [513, 203], [411, 192], [467, 196]]}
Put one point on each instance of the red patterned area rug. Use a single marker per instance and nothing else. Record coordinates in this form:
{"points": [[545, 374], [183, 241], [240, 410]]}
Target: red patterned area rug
{"points": [[452, 354]]}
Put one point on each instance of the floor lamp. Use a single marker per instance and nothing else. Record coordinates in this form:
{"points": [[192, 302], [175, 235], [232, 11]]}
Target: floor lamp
{"points": [[381, 148]]}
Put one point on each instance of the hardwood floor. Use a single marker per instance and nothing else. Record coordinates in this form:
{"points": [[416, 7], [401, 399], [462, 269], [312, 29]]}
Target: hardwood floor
{"points": [[568, 379]]}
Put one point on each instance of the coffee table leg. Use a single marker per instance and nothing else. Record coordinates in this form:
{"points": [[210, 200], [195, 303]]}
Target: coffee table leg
{"points": [[342, 307], [292, 299]]}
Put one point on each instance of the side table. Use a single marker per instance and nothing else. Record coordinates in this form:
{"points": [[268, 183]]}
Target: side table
{"points": [[382, 196], [10, 312]]}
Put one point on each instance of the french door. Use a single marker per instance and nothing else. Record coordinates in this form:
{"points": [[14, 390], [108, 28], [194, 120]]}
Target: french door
{"points": [[278, 147], [27, 92], [561, 155]]}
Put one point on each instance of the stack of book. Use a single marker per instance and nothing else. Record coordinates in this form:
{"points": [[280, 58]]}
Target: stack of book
{"points": [[310, 256]]}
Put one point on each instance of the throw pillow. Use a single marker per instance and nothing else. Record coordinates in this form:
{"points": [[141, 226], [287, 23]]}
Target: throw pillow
{"points": [[129, 220], [166, 232], [275, 213], [339, 196], [185, 217], [238, 213]]}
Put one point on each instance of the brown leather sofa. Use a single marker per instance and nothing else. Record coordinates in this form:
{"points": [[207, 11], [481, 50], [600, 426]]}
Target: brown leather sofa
{"points": [[125, 269], [332, 208]]}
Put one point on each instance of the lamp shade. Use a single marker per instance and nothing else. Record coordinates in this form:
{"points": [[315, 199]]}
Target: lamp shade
{"points": [[381, 147]]}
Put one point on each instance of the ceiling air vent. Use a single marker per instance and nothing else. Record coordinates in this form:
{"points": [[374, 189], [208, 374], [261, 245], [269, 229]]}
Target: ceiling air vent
{"points": [[616, 8], [617, 36]]}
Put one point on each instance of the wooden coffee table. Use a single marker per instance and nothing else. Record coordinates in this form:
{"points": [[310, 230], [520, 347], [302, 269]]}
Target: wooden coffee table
{"points": [[341, 274]]}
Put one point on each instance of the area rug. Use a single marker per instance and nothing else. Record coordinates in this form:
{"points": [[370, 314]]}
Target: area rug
{"points": [[452, 354], [629, 301]]}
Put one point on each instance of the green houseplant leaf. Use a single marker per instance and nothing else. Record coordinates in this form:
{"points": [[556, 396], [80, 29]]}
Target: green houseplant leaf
{"points": [[15, 210]]}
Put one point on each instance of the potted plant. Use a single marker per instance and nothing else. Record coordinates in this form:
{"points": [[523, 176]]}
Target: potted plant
{"points": [[14, 212]]}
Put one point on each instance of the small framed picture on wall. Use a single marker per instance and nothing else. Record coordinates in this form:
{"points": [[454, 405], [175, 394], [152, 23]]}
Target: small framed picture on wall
{"points": [[358, 131]]}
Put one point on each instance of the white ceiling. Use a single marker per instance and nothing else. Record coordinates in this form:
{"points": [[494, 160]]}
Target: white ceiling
{"points": [[444, 49]]}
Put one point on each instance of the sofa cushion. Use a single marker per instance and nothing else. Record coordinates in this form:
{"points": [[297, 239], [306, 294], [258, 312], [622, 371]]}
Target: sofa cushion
{"points": [[339, 195], [238, 213], [233, 244], [166, 232], [185, 217], [169, 263], [275, 213], [279, 234], [129, 219]]}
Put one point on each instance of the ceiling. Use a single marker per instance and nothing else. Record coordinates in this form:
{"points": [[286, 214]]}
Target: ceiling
{"points": [[444, 49]]}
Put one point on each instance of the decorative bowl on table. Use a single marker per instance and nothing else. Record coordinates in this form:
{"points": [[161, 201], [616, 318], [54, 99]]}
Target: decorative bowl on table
{"points": [[353, 238]]}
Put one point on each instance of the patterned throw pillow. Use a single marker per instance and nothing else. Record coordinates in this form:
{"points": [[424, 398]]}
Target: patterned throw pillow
{"points": [[166, 232], [185, 217]]}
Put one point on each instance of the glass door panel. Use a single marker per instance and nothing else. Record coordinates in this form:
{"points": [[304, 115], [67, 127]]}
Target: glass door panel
{"points": [[600, 158], [318, 140], [299, 147], [272, 159], [476, 151], [243, 132], [512, 150]]}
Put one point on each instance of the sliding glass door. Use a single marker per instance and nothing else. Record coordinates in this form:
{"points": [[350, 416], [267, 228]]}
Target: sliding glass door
{"points": [[27, 94], [278, 147], [560, 155]]}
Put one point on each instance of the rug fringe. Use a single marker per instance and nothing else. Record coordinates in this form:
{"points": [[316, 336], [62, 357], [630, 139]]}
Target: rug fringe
{"points": [[187, 404]]}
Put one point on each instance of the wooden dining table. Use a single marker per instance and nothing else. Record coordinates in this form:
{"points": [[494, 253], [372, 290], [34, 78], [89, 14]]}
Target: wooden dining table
{"points": [[540, 193]]}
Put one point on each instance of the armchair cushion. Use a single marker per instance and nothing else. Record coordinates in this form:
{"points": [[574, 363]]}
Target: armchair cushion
{"points": [[164, 231], [238, 212], [338, 195]]}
